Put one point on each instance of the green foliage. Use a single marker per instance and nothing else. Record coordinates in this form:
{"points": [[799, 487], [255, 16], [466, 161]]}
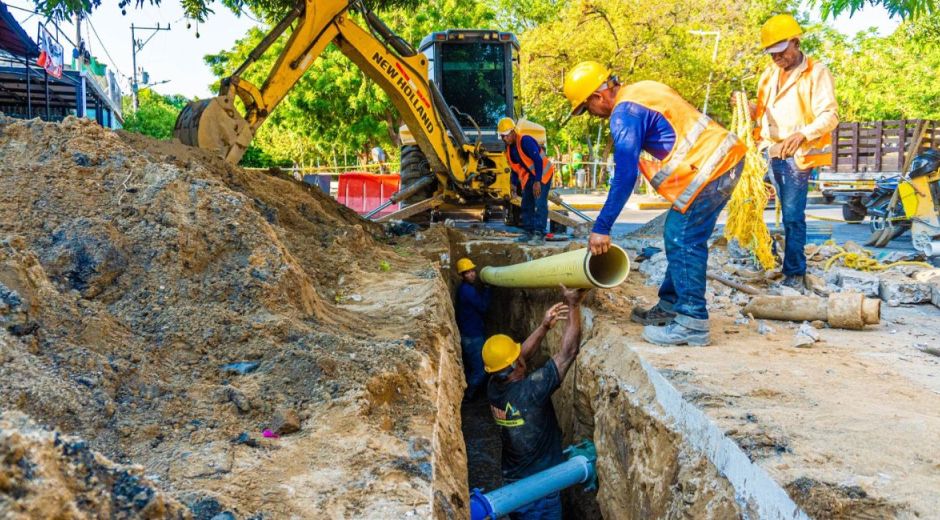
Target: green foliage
{"points": [[913, 9], [885, 78], [156, 115]]}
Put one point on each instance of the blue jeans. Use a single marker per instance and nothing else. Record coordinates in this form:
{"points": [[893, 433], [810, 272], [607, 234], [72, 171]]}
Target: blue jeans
{"points": [[535, 210], [792, 187], [545, 508], [686, 240], [472, 354]]}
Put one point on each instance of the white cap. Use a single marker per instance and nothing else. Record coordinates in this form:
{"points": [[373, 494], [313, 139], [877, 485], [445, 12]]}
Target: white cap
{"points": [[777, 47]]}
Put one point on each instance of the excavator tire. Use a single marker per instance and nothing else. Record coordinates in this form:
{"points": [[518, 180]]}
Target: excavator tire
{"points": [[414, 166]]}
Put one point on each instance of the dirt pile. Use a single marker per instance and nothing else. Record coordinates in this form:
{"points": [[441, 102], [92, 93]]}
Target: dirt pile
{"points": [[47, 475], [169, 307]]}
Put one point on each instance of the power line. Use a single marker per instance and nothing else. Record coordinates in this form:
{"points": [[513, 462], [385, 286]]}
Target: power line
{"points": [[108, 54]]}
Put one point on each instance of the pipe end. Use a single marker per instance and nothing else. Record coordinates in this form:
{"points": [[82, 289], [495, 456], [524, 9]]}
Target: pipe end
{"points": [[609, 269]]}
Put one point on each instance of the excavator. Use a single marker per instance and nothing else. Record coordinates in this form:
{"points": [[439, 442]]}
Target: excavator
{"points": [[450, 94]]}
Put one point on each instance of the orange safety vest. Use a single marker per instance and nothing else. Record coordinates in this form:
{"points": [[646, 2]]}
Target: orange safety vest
{"points": [[812, 154], [526, 168], [703, 150]]}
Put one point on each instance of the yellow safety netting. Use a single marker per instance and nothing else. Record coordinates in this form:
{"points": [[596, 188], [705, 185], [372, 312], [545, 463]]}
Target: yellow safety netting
{"points": [[746, 207], [863, 260]]}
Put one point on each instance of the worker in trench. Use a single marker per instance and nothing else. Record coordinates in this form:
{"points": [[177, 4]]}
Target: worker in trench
{"points": [[521, 404], [531, 175], [473, 301], [690, 160], [795, 113]]}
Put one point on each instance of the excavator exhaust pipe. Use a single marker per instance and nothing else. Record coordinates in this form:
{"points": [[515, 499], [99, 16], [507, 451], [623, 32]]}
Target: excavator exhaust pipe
{"points": [[216, 126], [574, 269]]}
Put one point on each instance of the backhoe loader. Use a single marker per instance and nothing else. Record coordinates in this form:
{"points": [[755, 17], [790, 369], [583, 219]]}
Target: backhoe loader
{"points": [[457, 87]]}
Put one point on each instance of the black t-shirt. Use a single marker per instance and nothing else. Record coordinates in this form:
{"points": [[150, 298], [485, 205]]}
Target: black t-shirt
{"points": [[528, 426]]}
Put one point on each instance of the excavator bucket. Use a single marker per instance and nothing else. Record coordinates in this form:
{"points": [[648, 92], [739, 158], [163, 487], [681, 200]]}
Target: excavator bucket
{"points": [[214, 125]]}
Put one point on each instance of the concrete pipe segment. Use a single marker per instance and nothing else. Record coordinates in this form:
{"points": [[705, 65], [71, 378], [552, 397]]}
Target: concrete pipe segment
{"points": [[841, 310], [574, 269]]}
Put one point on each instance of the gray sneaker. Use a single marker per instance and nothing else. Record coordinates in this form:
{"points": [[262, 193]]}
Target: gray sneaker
{"points": [[675, 335], [655, 315], [536, 240]]}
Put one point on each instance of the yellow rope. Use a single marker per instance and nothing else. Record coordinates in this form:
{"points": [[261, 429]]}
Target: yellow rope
{"points": [[746, 207], [863, 260]]}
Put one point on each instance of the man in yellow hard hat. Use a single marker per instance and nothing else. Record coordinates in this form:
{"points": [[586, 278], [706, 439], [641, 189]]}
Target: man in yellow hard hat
{"points": [[473, 302], [521, 404], [795, 112], [691, 161], [532, 174]]}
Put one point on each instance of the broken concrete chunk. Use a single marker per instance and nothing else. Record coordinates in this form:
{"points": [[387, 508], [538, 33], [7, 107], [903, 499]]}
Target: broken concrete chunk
{"points": [[931, 277], [896, 286], [858, 281], [806, 336]]}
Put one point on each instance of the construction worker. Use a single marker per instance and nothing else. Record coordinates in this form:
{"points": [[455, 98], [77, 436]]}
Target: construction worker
{"points": [[473, 301], [531, 167], [521, 404], [693, 162], [795, 112]]}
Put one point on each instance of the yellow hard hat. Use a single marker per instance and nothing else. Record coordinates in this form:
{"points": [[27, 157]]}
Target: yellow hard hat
{"points": [[778, 29], [582, 81], [464, 265], [499, 352], [505, 125]]}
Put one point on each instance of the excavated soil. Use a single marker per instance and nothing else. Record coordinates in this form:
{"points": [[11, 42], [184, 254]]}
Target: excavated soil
{"points": [[167, 308]]}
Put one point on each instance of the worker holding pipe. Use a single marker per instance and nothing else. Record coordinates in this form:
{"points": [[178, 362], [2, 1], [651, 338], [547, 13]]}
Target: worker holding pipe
{"points": [[690, 160], [473, 301], [521, 404], [796, 111], [532, 175]]}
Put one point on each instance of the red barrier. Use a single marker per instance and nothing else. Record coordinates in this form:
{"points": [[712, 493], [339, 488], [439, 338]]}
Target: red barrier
{"points": [[363, 192]]}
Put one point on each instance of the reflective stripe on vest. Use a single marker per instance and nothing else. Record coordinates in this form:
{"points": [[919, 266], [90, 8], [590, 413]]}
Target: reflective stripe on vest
{"points": [[680, 151], [702, 152]]}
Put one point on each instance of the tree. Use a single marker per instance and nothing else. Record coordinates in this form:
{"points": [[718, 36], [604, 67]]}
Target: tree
{"points": [[902, 8], [156, 115]]}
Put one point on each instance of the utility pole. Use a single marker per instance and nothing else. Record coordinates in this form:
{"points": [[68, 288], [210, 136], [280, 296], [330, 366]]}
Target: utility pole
{"points": [[137, 46], [711, 73]]}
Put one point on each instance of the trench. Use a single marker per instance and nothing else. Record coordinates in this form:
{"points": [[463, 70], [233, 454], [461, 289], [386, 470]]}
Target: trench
{"points": [[658, 455]]}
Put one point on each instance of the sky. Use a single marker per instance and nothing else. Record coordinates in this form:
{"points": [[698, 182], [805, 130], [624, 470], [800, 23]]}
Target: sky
{"points": [[177, 55]]}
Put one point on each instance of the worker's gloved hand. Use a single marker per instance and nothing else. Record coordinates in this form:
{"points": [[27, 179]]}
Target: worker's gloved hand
{"points": [[598, 243], [791, 144], [556, 312], [537, 188]]}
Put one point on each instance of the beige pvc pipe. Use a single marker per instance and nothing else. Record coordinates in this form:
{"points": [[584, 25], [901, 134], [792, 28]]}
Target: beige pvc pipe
{"points": [[574, 269]]}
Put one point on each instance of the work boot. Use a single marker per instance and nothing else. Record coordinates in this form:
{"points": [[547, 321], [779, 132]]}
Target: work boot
{"points": [[682, 331], [795, 281], [655, 315], [523, 238], [536, 240]]}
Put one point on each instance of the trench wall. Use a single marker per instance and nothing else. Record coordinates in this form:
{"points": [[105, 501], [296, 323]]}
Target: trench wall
{"points": [[658, 456]]}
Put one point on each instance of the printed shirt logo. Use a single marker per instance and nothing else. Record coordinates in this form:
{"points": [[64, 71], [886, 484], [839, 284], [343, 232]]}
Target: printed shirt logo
{"points": [[508, 417]]}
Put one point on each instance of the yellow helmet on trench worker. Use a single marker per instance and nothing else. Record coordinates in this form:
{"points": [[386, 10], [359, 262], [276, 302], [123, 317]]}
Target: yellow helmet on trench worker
{"points": [[505, 125], [499, 352], [464, 265], [581, 81], [778, 29]]}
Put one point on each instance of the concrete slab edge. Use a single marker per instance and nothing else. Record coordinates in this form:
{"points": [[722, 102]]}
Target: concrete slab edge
{"points": [[755, 491]]}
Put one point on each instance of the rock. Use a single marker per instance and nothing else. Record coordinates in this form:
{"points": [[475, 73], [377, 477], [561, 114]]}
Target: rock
{"points": [[286, 421], [805, 336], [817, 285], [818, 324], [655, 269], [931, 277], [85, 256], [866, 283], [241, 367], [741, 320], [896, 286], [893, 302], [740, 298], [787, 291], [236, 397], [763, 329]]}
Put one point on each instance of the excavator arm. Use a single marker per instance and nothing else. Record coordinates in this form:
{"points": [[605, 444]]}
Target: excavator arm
{"points": [[216, 125]]}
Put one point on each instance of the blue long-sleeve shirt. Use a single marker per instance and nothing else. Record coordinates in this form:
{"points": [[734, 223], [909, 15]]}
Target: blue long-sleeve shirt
{"points": [[472, 304], [531, 148], [634, 128]]}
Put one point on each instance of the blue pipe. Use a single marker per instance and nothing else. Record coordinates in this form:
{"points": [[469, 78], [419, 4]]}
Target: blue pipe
{"points": [[577, 469]]}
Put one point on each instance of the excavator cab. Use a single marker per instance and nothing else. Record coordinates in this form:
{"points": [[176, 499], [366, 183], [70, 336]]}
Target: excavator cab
{"points": [[474, 70]]}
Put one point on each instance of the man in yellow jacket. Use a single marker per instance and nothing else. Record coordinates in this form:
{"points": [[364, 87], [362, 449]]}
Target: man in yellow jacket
{"points": [[795, 112], [692, 161]]}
